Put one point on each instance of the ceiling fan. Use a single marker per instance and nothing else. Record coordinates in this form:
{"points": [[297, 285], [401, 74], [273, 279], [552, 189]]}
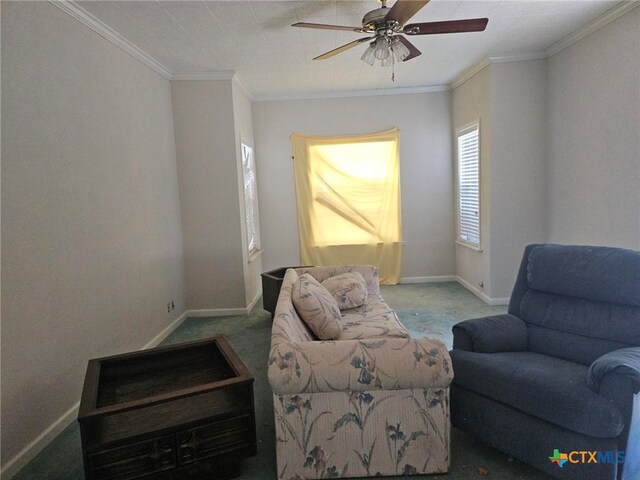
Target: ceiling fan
{"points": [[387, 26]]}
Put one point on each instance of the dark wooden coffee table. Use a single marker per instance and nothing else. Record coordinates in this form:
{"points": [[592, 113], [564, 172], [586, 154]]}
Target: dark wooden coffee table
{"points": [[180, 412]]}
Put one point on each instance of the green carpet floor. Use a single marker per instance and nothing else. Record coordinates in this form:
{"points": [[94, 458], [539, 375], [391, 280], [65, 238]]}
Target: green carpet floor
{"points": [[427, 310]]}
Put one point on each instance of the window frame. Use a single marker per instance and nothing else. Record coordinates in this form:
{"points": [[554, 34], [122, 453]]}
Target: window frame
{"points": [[253, 230], [464, 130]]}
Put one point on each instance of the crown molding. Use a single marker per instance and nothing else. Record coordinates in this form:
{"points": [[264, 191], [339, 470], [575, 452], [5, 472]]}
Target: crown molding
{"points": [[469, 72], [604, 19], [216, 75], [567, 41], [77, 12], [355, 93], [237, 81], [517, 57], [488, 60], [72, 8]]}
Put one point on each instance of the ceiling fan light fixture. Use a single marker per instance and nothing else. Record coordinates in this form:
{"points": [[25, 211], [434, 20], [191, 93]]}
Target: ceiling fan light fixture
{"points": [[382, 48], [387, 62], [399, 50], [369, 54]]}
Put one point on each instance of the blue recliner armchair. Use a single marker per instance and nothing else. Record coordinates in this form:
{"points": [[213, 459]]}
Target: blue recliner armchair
{"points": [[560, 373]]}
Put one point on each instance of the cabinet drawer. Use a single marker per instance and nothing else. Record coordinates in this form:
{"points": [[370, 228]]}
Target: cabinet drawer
{"points": [[133, 460], [212, 468], [214, 438]]}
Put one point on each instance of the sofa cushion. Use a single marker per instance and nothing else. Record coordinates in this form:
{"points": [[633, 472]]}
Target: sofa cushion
{"points": [[316, 307], [374, 319], [349, 289], [368, 272], [549, 388]]}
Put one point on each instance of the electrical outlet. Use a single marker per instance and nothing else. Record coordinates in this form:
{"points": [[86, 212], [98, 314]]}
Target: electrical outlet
{"points": [[168, 307]]}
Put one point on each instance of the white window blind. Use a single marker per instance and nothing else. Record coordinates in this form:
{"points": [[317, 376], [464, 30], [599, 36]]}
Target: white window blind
{"points": [[250, 199], [469, 185]]}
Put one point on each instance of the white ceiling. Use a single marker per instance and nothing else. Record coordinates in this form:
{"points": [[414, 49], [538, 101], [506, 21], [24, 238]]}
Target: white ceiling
{"points": [[273, 59]]}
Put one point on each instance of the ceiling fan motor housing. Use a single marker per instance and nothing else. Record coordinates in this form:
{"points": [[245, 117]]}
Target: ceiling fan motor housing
{"points": [[374, 19]]}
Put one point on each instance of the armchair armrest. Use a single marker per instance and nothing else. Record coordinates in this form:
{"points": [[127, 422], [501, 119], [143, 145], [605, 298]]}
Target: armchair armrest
{"points": [[499, 333], [624, 362], [616, 376], [358, 365]]}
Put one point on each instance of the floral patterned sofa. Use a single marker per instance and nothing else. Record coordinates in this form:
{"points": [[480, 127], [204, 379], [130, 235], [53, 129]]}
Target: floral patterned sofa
{"points": [[373, 402]]}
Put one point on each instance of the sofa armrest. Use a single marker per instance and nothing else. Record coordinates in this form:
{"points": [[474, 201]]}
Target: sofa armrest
{"points": [[499, 333], [624, 362], [359, 365]]}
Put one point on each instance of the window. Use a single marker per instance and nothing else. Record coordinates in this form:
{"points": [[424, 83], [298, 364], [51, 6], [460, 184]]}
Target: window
{"points": [[350, 193], [469, 185], [348, 199], [250, 198]]}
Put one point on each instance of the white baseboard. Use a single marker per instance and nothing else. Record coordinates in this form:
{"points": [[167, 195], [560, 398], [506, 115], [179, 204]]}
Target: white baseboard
{"points": [[34, 447], [254, 301], [224, 312], [216, 312], [481, 295], [437, 279], [155, 341], [28, 453]]}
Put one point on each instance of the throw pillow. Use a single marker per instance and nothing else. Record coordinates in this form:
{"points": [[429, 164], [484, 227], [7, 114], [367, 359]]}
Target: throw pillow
{"points": [[317, 308], [349, 289]]}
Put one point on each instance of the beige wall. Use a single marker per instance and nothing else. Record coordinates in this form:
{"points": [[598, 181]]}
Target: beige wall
{"points": [[471, 103], [91, 238], [91, 212], [243, 119], [509, 99], [425, 167], [563, 155], [209, 193], [594, 138], [518, 167]]}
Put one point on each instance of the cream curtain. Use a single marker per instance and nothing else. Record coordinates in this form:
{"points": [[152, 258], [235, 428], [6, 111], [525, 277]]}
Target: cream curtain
{"points": [[348, 199]]}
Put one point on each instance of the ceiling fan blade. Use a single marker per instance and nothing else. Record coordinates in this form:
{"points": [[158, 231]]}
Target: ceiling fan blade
{"points": [[414, 52], [451, 26], [403, 10], [343, 48], [323, 26]]}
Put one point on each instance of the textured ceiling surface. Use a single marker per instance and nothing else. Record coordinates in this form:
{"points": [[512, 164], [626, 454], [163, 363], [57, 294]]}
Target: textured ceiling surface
{"points": [[271, 58]]}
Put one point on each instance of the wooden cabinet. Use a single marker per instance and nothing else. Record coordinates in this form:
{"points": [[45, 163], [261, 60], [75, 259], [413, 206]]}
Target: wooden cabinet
{"points": [[133, 459], [271, 284], [179, 412]]}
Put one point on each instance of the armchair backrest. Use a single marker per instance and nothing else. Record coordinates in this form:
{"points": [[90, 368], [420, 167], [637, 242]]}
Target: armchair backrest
{"points": [[579, 302]]}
